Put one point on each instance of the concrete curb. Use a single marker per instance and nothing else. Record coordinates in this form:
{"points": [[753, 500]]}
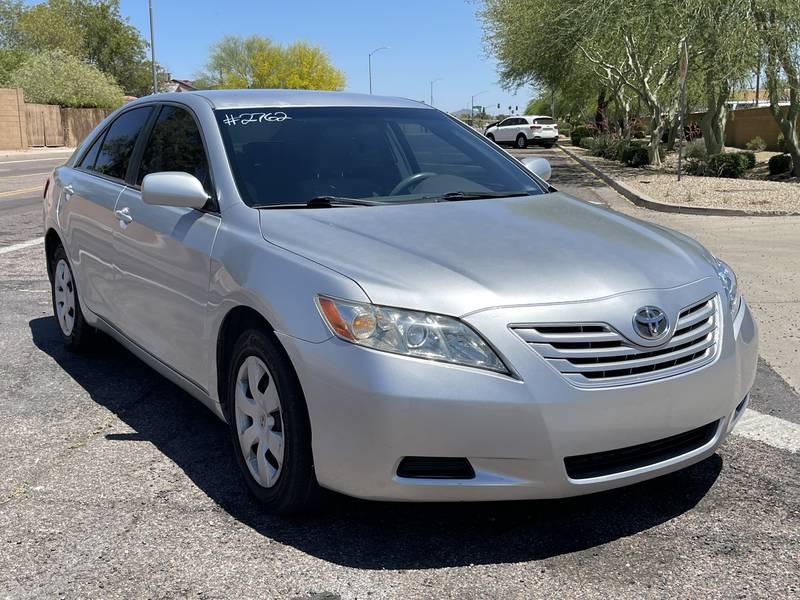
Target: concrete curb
{"points": [[644, 201]]}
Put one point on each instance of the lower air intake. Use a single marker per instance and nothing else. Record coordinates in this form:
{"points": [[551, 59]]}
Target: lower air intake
{"points": [[599, 464]]}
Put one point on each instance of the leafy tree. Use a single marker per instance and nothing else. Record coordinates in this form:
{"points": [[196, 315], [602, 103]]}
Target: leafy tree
{"points": [[92, 30], [58, 78], [10, 11], [255, 62], [778, 24]]}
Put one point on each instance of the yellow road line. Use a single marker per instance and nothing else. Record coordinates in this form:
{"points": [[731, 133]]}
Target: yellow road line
{"points": [[21, 191]]}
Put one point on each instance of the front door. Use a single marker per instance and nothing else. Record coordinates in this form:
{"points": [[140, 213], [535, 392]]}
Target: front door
{"points": [[163, 254]]}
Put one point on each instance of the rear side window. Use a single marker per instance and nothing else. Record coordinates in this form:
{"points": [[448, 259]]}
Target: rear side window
{"points": [[175, 144], [91, 156], [112, 160]]}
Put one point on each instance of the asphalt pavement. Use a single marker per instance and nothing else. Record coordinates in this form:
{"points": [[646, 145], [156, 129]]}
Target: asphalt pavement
{"points": [[114, 483]]}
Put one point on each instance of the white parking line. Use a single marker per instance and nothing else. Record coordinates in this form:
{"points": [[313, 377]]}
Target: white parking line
{"points": [[21, 245], [27, 160], [774, 431]]}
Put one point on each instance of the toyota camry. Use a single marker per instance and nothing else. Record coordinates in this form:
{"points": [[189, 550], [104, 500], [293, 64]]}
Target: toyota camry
{"points": [[379, 301]]}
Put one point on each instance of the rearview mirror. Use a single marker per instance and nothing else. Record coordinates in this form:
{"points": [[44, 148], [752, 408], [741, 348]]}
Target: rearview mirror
{"points": [[174, 188], [538, 166]]}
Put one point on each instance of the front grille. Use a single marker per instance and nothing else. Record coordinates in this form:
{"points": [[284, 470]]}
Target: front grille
{"points": [[599, 464], [596, 354], [435, 467]]}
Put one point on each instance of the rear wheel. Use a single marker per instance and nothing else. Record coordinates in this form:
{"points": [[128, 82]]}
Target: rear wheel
{"points": [[522, 141], [548, 145], [75, 332], [269, 425]]}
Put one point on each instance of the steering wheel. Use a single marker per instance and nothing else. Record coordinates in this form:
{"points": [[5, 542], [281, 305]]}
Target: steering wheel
{"points": [[408, 182]]}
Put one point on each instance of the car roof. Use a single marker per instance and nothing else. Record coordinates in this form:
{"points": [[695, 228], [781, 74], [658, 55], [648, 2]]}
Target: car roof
{"points": [[287, 98]]}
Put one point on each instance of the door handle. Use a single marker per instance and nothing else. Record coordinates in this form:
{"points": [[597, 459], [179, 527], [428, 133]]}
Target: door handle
{"points": [[123, 214], [68, 191]]}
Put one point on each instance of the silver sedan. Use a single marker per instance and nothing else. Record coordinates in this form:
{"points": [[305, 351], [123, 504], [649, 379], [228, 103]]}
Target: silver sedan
{"points": [[381, 302]]}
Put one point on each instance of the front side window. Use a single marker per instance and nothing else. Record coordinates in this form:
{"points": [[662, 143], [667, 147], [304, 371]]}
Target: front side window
{"points": [[112, 160], [384, 155], [175, 144]]}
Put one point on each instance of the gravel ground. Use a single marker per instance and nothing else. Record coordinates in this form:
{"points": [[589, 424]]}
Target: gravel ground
{"points": [[711, 192]]}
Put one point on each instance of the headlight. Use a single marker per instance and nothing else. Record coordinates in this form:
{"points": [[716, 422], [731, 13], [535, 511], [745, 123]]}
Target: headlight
{"points": [[728, 279], [412, 333]]}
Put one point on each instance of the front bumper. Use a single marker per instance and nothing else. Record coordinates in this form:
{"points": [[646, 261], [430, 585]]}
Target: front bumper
{"points": [[371, 409]]}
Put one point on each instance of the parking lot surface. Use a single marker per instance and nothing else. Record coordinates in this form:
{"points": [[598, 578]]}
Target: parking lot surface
{"points": [[114, 483]]}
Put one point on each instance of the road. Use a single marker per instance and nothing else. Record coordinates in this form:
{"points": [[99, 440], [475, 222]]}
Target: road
{"points": [[116, 484]]}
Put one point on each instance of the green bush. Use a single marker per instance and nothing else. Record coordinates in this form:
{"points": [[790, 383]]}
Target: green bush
{"points": [[578, 133], [587, 143], [748, 158], [608, 146], [780, 163], [635, 155], [726, 164], [696, 166], [757, 144], [59, 78], [695, 149]]}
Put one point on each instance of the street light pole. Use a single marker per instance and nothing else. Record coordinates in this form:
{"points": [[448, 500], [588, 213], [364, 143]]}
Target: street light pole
{"points": [[370, 64], [152, 48], [432, 82], [472, 105]]}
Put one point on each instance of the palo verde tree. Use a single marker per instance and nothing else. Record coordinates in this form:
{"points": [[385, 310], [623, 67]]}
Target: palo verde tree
{"points": [[255, 62], [778, 24]]}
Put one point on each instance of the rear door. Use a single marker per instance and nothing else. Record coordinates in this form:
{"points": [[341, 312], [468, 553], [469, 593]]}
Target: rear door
{"points": [[504, 130], [163, 252], [86, 205]]}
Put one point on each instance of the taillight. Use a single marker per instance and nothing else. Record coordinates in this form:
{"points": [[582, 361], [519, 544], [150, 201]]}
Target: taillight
{"points": [[46, 186], [536, 126], [555, 126]]}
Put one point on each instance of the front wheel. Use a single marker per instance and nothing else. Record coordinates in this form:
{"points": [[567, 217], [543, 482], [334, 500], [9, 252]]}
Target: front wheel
{"points": [[269, 425], [522, 141], [490, 136]]}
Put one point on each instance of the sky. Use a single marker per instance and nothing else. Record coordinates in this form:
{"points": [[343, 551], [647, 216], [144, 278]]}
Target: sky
{"points": [[427, 40]]}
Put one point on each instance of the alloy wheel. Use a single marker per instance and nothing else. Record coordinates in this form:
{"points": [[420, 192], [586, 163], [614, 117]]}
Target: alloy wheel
{"points": [[259, 421], [64, 290]]}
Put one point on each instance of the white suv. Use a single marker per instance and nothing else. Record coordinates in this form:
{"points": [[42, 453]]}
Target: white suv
{"points": [[521, 131]]}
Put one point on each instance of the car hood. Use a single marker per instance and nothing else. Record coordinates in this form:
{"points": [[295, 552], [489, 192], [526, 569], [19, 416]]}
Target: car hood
{"points": [[458, 257]]}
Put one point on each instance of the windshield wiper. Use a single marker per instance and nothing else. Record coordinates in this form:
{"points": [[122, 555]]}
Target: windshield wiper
{"points": [[321, 202], [331, 201], [456, 196]]}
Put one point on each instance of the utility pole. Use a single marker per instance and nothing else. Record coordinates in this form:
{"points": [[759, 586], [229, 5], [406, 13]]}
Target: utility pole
{"points": [[152, 49], [370, 64], [432, 82], [472, 106]]}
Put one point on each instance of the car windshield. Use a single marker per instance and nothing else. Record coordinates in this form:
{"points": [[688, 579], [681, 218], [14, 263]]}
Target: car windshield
{"points": [[291, 156]]}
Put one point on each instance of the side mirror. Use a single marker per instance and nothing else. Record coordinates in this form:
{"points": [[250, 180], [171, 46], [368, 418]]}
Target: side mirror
{"points": [[538, 166], [174, 188]]}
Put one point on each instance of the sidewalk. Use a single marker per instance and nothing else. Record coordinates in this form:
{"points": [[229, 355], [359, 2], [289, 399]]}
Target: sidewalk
{"points": [[34, 153]]}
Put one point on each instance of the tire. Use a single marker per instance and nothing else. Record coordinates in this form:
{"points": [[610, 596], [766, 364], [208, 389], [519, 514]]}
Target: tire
{"points": [[75, 332], [490, 136], [548, 145], [270, 428], [522, 141]]}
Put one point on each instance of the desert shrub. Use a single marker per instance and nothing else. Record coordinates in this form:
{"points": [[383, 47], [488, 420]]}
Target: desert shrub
{"points": [[696, 166], [695, 149], [780, 163], [757, 144], [608, 146], [748, 158], [635, 155], [578, 133], [587, 143], [726, 164], [59, 78]]}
